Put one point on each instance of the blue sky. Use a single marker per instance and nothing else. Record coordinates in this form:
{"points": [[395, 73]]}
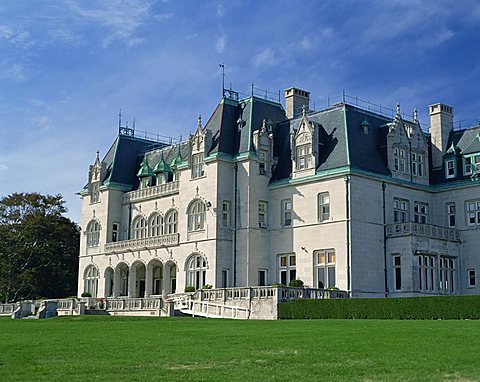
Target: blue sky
{"points": [[68, 66]]}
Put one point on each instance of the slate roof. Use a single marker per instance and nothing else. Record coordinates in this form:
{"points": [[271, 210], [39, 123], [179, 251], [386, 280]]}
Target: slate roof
{"points": [[341, 137]]}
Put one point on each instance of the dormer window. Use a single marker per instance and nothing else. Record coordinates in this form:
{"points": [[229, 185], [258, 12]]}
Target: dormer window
{"points": [[418, 164], [304, 157], [450, 170], [472, 165], [95, 193], [399, 159], [262, 158], [197, 166]]}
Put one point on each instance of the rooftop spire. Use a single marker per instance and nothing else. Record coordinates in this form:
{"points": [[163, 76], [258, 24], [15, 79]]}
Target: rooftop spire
{"points": [[398, 108], [415, 115], [199, 125]]}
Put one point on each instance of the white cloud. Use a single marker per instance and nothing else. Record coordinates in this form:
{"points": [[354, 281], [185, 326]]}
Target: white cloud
{"points": [[14, 36], [221, 43], [306, 43], [43, 122], [3, 167], [121, 18], [266, 57], [220, 10], [163, 16], [14, 72]]}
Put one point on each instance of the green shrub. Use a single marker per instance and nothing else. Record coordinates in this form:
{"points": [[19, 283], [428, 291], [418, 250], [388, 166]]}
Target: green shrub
{"points": [[189, 289], [207, 286], [278, 285], [296, 283], [86, 294], [399, 308]]}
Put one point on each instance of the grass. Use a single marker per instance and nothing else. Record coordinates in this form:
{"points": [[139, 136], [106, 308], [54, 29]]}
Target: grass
{"points": [[197, 349]]}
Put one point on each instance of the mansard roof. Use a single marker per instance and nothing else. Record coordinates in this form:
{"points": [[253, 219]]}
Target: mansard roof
{"points": [[123, 160], [341, 140], [468, 140]]}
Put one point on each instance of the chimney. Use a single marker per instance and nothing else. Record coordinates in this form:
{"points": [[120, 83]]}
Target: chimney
{"points": [[441, 124], [295, 99]]}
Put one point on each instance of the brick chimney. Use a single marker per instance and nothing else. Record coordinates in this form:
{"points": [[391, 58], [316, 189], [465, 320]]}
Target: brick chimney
{"points": [[295, 99], [441, 124]]}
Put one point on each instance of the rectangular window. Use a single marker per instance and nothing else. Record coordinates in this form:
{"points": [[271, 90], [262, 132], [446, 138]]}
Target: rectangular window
{"points": [[400, 210], [324, 268], [262, 158], [447, 275], [399, 159], [304, 157], [262, 277], [95, 194], [226, 213], [115, 228], [420, 212], [286, 213], [286, 269], [473, 212], [418, 164], [427, 272], [471, 278], [262, 214], [397, 272], [197, 166], [224, 278], [451, 215], [450, 169], [323, 206], [467, 170]]}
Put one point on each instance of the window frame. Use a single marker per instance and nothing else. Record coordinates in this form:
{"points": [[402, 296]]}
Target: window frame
{"points": [[323, 208], [303, 158], [420, 212], [263, 214], [226, 214], [171, 222], [140, 227], [472, 212], [155, 225], [287, 268], [197, 214], [451, 215], [401, 210], [453, 173], [287, 221], [93, 233], [471, 275], [196, 271], [325, 268], [198, 166], [397, 272]]}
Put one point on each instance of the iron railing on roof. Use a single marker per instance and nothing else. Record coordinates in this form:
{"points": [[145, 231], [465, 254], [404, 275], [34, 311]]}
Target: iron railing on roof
{"points": [[467, 123], [261, 93]]}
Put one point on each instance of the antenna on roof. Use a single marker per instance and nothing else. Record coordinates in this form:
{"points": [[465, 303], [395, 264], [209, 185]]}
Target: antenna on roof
{"points": [[120, 119], [133, 123]]}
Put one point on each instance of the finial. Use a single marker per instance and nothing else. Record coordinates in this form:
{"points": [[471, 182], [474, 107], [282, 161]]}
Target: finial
{"points": [[304, 111], [398, 108], [199, 125], [264, 125], [98, 155], [415, 115]]}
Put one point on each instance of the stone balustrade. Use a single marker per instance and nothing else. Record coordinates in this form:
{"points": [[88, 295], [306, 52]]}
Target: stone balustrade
{"points": [[146, 242], [160, 190], [7, 309], [426, 230], [130, 304]]}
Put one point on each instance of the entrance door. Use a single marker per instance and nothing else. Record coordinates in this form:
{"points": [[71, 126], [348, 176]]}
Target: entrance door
{"points": [[141, 289]]}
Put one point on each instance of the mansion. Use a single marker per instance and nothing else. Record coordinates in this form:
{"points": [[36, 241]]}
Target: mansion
{"points": [[342, 197]]}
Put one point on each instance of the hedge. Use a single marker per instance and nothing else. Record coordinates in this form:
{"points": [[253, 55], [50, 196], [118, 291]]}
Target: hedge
{"points": [[400, 308]]}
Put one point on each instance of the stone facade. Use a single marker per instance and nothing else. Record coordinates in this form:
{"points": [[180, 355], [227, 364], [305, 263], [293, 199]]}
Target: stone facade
{"points": [[341, 197]]}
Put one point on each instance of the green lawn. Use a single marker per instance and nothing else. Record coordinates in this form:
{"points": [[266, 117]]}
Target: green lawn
{"points": [[198, 349]]}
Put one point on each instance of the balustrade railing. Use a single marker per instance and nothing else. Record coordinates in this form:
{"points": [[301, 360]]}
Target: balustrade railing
{"points": [[425, 230], [152, 192], [7, 309], [147, 242]]}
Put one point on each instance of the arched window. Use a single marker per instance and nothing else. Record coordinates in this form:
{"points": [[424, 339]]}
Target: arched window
{"points": [[139, 228], [196, 215], [196, 271], [91, 280], [171, 222], [93, 233], [155, 226]]}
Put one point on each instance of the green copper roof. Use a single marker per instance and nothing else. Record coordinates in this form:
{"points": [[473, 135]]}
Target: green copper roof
{"points": [[145, 170], [162, 166], [453, 149], [177, 161]]}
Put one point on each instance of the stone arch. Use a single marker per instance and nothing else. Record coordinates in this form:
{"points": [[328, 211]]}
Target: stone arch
{"points": [[154, 277], [196, 270], [121, 279], [91, 275], [137, 281]]}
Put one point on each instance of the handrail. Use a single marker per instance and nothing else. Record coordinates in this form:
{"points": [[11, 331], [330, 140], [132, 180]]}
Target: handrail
{"points": [[152, 192], [420, 229]]}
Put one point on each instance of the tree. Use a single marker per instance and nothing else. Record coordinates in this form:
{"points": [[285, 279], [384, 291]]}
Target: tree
{"points": [[38, 247]]}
